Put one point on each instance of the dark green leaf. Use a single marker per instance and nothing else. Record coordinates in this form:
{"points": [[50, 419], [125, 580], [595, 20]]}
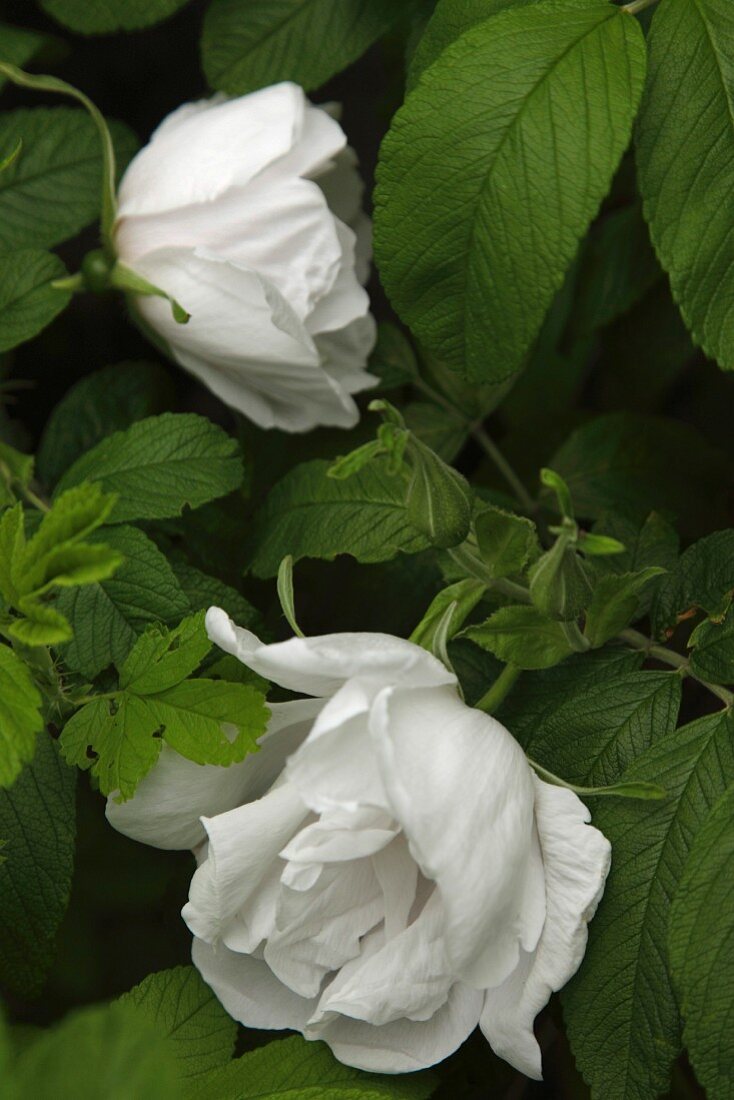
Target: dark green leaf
{"points": [[393, 360], [102, 17], [712, 650], [507, 543], [28, 301], [19, 46], [523, 637], [160, 465], [616, 602], [703, 578], [37, 822]]}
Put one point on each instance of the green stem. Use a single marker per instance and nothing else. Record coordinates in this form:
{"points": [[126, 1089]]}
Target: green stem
{"points": [[675, 660], [35, 500], [637, 6], [578, 642], [473, 566], [501, 688], [43, 83]]}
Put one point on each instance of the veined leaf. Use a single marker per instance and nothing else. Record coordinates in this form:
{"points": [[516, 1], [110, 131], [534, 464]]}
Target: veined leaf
{"points": [[703, 578], [101, 17], [20, 715], [473, 258], [522, 636], [28, 300]]}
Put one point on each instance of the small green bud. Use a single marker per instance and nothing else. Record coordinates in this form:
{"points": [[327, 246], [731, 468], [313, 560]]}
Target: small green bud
{"points": [[559, 585], [439, 500]]}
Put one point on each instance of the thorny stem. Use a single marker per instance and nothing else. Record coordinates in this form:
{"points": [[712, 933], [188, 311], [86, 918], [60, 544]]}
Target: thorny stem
{"points": [[669, 657]]}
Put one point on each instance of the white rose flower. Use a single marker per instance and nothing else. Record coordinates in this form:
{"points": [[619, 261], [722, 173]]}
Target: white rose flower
{"points": [[248, 213], [387, 872]]}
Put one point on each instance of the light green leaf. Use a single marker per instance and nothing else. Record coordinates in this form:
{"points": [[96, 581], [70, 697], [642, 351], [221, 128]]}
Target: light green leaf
{"points": [[20, 716], [632, 463], [37, 822], [117, 739], [245, 47], [594, 735], [521, 636], [700, 944], [50, 553], [178, 1005], [12, 546], [685, 156], [52, 190], [615, 603], [462, 597], [28, 300], [162, 658], [712, 650], [295, 1069], [160, 465], [41, 624], [702, 578], [101, 17], [108, 1051], [473, 259], [108, 617], [99, 404], [310, 515], [507, 543], [438, 500], [620, 1009]]}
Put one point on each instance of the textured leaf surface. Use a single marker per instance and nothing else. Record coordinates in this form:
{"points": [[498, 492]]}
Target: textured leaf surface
{"points": [[246, 46], [52, 190], [620, 1008], [181, 1007], [160, 465], [37, 822], [310, 515], [108, 617], [536, 105], [28, 301], [712, 650], [101, 403], [703, 577], [298, 1070], [522, 636], [685, 154], [106, 16], [20, 717], [701, 951]]}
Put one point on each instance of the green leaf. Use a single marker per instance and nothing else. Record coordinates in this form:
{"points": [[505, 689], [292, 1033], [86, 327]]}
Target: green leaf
{"points": [[162, 658], [12, 546], [462, 598], [160, 465], [28, 300], [437, 428], [620, 1009], [299, 1070], [596, 734], [310, 515], [632, 463], [19, 46], [560, 586], [699, 941], [99, 404], [101, 17], [20, 716], [37, 822], [507, 543], [245, 47], [52, 190], [521, 636], [41, 624], [685, 155], [712, 650], [615, 603], [108, 617], [203, 592], [116, 739], [178, 1005], [654, 542], [107, 1051], [393, 359], [438, 501], [56, 552], [702, 578], [473, 260]]}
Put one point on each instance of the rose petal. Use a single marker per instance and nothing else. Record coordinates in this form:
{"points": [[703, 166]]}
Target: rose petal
{"points": [[576, 858]]}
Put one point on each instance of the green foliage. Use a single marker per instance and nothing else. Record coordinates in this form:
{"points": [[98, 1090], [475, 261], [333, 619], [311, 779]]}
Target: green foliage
{"points": [[438, 501], [513, 223], [37, 821], [634, 464], [560, 586], [52, 189], [522, 636], [699, 942], [108, 616], [28, 299], [616, 602], [101, 17], [507, 543], [160, 465], [310, 515], [712, 650], [299, 1070], [120, 735], [393, 360], [107, 1051], [20, 716], [101, 403], [685, 152], [248, 46], [19, 46], [620, 1009], [447, 612], [178, 1005], [702, 578]]}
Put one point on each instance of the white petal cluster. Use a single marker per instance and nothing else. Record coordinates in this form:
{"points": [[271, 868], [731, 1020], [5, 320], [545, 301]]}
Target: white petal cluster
{"points": [[387, 872], [248, 212]]}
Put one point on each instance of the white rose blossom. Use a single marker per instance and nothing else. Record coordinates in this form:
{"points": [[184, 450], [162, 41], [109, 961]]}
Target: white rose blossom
{"points": [[387, 872], [248, 213]]}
